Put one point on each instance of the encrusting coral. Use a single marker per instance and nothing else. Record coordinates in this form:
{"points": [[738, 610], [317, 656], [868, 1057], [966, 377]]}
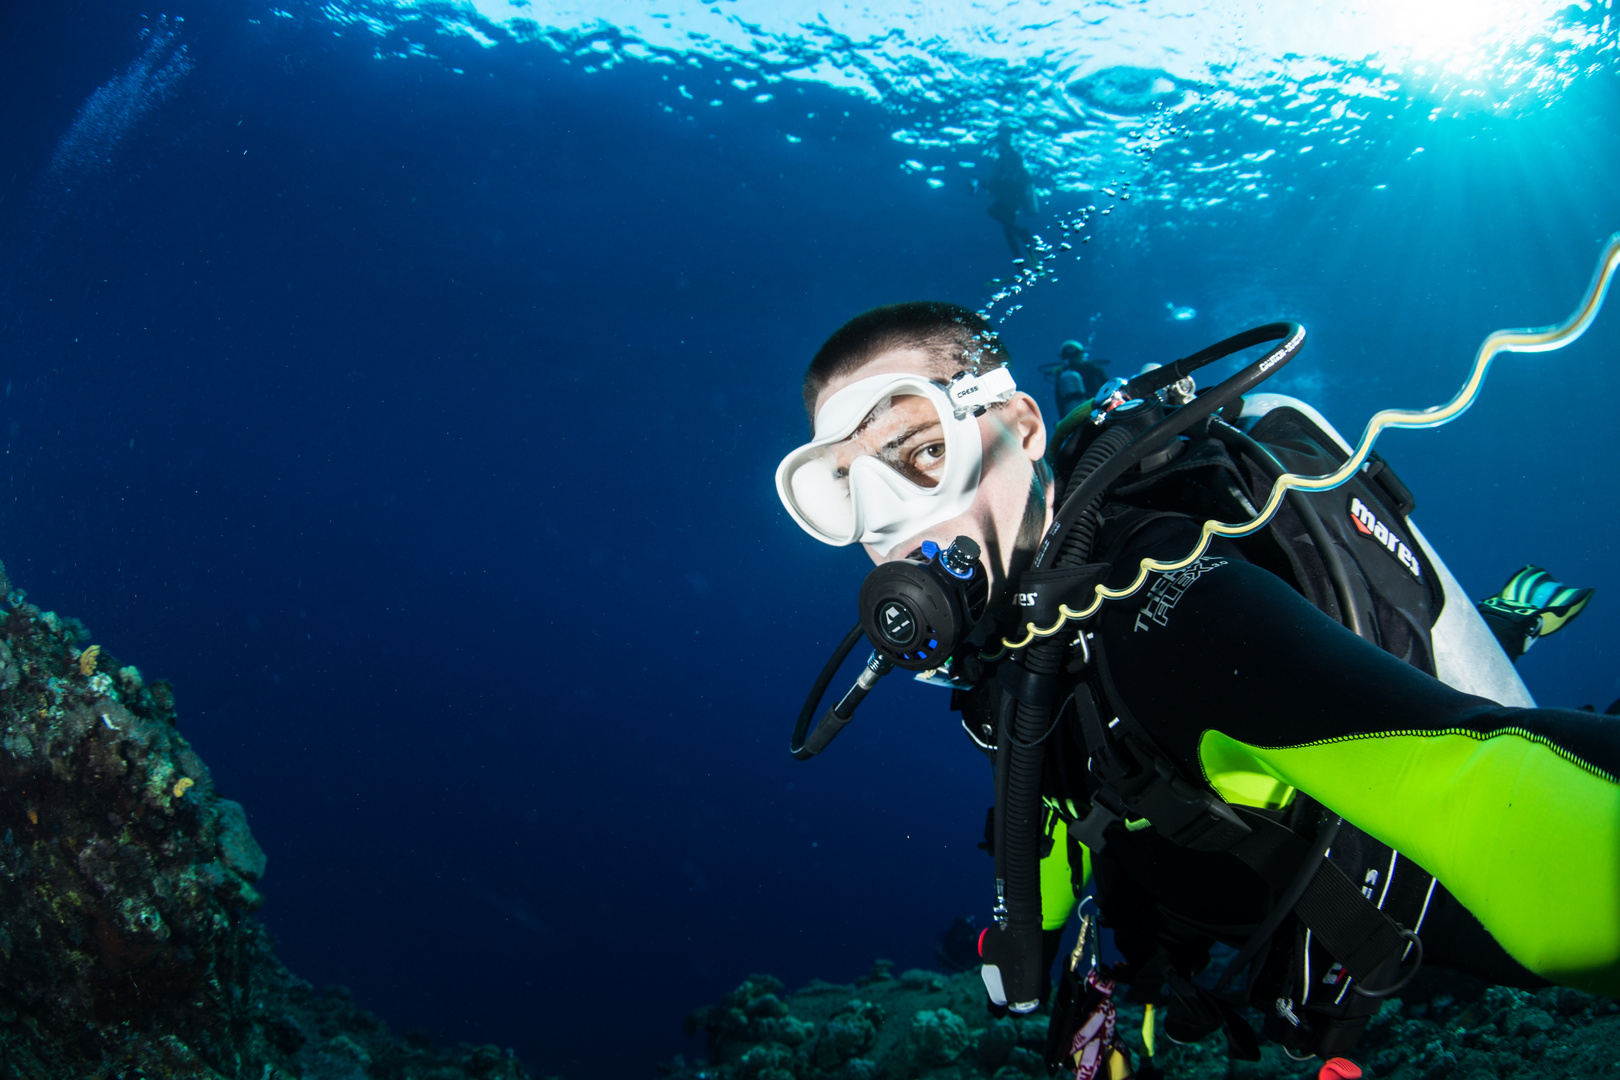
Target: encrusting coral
{"points": [[927, 1026], [128, 943]]}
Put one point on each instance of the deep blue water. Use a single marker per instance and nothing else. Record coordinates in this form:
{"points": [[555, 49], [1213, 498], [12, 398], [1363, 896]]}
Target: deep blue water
{"points": [[415, 415]]}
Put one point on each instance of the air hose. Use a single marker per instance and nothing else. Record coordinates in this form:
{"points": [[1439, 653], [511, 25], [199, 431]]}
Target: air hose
{"points": [[1076, 547], [1079, 497], [1012, 951], [832, 723], [1015, 951]]}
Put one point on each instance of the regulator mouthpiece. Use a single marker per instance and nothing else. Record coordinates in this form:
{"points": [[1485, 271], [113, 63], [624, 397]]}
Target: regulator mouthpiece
{"points": [[918, 610]]}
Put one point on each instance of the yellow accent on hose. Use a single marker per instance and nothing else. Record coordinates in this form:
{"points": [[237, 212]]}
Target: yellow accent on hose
{"points": [[1147, 1027], [1540, 339]]}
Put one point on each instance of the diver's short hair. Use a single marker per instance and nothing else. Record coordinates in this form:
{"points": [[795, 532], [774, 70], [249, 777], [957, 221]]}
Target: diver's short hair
{"points": [[954, 338]]}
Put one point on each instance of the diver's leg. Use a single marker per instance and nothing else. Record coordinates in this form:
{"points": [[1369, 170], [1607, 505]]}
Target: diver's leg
{"points": [[1013, 245], [1516, 811], [1007, 218]]}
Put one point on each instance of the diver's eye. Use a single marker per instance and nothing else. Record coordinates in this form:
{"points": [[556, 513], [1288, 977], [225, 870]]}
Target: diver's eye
{"points": [[924, 464], [927, 459]]}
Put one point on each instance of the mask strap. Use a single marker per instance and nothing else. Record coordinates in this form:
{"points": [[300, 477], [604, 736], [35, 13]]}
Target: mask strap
{"points": [[971, 395]]}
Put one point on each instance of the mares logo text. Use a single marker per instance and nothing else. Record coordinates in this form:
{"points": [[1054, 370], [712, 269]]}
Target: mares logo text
{"points": [[1367, 523]]}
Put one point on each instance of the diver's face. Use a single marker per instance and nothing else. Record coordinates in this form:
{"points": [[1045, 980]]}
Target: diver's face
{"points": [[907, 436]]}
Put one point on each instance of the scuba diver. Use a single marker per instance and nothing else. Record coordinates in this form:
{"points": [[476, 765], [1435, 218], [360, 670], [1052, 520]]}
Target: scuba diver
{"points": [[1077, 375], [1012, 191], [1304, 744]]}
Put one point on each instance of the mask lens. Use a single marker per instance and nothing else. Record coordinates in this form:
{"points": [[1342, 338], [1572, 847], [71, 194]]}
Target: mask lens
{"points": [[821, 495], [905, 433]]}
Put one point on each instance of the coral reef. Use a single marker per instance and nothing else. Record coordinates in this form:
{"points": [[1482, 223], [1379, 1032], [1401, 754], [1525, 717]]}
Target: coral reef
{"points": [[885, 1026], [128, 943], [923, 1024]]}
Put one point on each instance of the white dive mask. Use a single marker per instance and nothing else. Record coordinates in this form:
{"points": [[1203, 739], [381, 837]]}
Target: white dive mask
{"points": [[872, 473]]}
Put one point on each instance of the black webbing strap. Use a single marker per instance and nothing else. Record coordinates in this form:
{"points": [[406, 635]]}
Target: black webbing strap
{"points": [[1349, 926]]}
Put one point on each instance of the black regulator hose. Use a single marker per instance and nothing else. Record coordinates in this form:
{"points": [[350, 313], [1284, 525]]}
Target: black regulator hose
{"points": [[1076, 547], [1150, 381], [818, 738]]}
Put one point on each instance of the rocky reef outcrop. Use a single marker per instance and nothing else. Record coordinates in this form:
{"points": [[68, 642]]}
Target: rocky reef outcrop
{"points": [[921, 1024], [128, 941]]}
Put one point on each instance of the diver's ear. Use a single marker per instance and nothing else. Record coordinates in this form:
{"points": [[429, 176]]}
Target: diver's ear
{"points": [[1024, 419]]}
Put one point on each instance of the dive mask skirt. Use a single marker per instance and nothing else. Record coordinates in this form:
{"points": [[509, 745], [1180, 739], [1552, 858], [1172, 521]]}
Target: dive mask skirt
{"points": [[868, 500]]}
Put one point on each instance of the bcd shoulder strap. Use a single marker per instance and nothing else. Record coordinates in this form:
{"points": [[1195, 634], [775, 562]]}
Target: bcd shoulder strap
{"points": [[1372, 575]]}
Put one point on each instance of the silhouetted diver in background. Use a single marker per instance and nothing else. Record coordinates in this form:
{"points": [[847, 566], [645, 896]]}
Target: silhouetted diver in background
{"points": [[1077, 375], [1012, 190]]}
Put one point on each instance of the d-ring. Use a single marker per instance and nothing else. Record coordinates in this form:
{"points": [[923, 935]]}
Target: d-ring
{"points": [[1400, 984]]}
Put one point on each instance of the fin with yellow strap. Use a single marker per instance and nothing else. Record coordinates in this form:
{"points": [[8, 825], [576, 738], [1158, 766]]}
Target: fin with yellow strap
{"points": [[1532, 605]]}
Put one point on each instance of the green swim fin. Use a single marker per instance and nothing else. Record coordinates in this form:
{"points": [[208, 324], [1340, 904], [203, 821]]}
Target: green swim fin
{"points": [[1530, 606]]}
